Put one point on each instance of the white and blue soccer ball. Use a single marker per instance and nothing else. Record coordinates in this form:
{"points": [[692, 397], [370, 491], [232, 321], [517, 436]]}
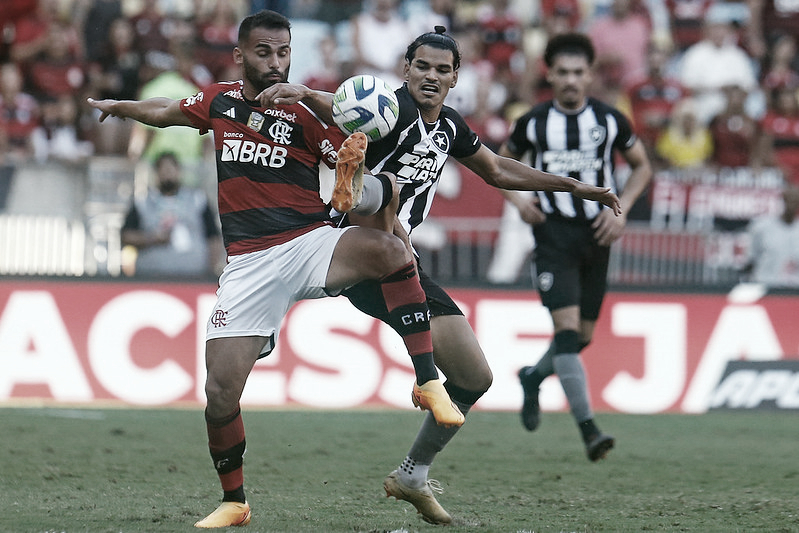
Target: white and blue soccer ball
{"points": [[367, 104]]}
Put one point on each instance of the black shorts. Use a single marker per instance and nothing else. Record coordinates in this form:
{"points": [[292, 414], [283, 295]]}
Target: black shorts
{"points": [[570, 267], [368, 297]]}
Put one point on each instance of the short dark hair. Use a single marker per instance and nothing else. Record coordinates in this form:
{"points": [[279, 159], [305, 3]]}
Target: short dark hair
{"points": [[271, 20], [571, 44], [436, 39]]}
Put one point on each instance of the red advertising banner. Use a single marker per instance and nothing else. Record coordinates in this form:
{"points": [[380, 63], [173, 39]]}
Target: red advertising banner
{"points": [[77, 342]]}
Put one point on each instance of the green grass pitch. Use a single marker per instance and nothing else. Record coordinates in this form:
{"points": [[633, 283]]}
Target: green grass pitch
{"points": [[119, 470]]}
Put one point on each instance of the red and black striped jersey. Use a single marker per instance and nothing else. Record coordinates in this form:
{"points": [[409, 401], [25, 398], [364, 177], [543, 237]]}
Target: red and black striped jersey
{"points": [[267, 165]]}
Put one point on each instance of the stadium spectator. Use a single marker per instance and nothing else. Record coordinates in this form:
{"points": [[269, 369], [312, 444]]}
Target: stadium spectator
{"points": [[58, 138], [686, 142], [781, 65], [290, 249], [573, 135], [19, 117], [176, 77], [779, 142], [560, 16], [32, 34], [58, 71], [501, 33], [774, 244], [715, 62], [380, 21], [431, 13], [735, 134], [95, 18], [115, 75], [11, 12], [686, 20], [331, 72], [217, 32], [173, 228], [653, 97], [621, 39], [769, 20], [152, 27]]}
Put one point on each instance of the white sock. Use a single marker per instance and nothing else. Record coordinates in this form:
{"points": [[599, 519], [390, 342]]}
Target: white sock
{"points": [[413, 474]]}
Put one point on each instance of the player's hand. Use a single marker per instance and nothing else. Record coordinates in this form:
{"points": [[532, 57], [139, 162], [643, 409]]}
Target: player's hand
{"points": [[608, 227], [282, 94], [531, 213], [600, 194], [106, 107]]}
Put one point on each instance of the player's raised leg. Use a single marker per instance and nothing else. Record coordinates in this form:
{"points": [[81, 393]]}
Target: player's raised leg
{"points": [[365, 253]]}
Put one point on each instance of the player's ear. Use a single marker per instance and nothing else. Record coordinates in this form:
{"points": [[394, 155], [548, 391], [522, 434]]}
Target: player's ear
{"points": [[406, 69], [454, 81], [238, 57]]}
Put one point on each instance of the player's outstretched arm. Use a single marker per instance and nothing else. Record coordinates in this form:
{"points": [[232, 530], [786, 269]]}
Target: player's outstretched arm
{"points": [[506, 173], [158, 112]]}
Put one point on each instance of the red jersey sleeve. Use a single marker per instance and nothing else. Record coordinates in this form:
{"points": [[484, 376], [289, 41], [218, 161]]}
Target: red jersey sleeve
{"points": [[198, 108]]}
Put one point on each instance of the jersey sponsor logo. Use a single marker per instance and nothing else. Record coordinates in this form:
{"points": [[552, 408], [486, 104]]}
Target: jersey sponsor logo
{"points": [[565, 161], [191, 100], [418, 168], [233, 134], [328, 150], [256, 153], [280, 113], [749, 385], [234, 94], [255, 121], [280, 132]]}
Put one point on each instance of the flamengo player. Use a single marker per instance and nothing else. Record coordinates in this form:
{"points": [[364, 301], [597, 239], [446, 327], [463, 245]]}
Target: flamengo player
{"points": [[281, 242]]}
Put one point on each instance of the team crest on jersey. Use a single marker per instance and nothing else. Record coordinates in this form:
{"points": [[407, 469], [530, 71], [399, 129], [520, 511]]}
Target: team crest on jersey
{"points": [[256, 121], [280, 132], [441, 141], [598, 134]]}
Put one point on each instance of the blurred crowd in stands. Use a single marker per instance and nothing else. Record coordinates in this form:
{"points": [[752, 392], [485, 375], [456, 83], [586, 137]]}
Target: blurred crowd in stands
{"points": [[707, 83]]}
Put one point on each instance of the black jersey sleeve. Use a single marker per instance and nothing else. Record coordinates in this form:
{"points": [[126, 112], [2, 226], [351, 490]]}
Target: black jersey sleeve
{"points": [[466, 141], [518, 142]]}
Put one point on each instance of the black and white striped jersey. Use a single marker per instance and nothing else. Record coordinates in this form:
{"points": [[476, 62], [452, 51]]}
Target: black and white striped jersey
{"points": [[579, 145], [416, 152]]}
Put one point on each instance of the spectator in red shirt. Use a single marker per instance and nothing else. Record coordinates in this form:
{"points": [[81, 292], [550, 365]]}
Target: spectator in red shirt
{"points": [[653, 97], [218, 33], [779, 145], [621, 38], [735, 133], [32, 34], [57, 71], [19, 117], [501, 34], [781, 65]]}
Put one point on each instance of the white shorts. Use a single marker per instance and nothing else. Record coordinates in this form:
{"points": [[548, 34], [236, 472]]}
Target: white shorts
{"points": [[257, 289]]}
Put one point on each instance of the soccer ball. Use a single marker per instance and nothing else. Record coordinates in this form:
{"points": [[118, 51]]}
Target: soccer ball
{"points": [[367, 104]]}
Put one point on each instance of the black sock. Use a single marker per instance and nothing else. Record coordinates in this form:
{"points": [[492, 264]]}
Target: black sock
{"points": [[588, 429], [236, 495], [534, 379]]}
